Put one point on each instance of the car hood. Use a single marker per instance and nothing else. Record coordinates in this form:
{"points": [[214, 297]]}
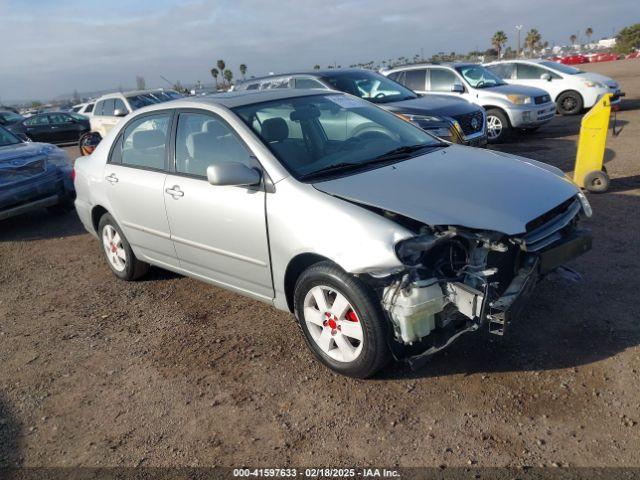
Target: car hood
{"points": [[596, 77], [461, 186], [24, 150], [442, 105], [511, 89]]}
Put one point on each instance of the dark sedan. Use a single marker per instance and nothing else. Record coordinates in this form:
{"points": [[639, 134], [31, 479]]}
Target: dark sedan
{"points": [[53, 127], [452, 119], [33, 175]]}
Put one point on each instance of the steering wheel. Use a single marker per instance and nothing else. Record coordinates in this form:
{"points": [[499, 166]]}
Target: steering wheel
{"points": [[380, 95], [370, 135], [480, 83]]}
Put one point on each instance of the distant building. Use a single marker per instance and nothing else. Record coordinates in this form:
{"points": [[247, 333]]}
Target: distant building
{"points": [[607, 43]]}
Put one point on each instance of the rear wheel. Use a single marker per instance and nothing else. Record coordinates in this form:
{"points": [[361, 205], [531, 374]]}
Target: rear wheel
{"points": [[569, 103], [120, 258], [498, 127], [342, 320]]}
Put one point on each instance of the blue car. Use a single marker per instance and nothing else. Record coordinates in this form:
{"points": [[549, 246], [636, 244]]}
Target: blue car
{"points": [[32, 176]]}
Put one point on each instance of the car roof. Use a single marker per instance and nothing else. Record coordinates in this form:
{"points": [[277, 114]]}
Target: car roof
{"points": [[312, 73], [237, 98], [132, 92], [410, 66]]}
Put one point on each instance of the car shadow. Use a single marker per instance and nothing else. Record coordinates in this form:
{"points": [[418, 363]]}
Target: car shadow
{"points": [[564, 325], [624, 184], [10, 438], [40, 225]]}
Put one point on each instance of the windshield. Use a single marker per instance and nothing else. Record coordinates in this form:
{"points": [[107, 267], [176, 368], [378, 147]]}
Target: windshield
{"points": [[479, 77], [559, 67], [10, 117], [371, 86], [321, 135], [8, 138]]}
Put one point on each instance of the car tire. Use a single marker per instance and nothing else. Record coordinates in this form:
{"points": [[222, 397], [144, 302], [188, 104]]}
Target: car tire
{"points": [[342, 320], [597, 181], [117, 251], [569, 103], [498, 126]]}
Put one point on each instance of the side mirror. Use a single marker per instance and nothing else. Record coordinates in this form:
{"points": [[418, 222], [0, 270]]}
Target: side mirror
{"points": [[545, 76], [118, 112], [232, 174], [457, 88]]}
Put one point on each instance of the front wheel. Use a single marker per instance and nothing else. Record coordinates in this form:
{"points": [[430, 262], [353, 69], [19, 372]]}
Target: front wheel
{"points": [[342, 320], [498, 126]]}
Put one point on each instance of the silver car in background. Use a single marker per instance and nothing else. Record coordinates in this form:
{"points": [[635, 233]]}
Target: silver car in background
{"points": [[383, 240], [509, 107]]}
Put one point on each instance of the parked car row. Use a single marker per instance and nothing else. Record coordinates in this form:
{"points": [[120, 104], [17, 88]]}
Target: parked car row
{"points": [[382, 239]]}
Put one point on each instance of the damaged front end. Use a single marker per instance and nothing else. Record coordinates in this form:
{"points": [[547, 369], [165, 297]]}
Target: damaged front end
{"points": [[456, 280]]}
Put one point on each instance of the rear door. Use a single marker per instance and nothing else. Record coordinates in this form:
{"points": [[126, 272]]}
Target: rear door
{"points": [[37, 128], [527, 74], [135, 176], [219, 233]]}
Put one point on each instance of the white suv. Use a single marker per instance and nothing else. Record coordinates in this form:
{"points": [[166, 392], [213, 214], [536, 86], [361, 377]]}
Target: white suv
{"points": [[110, 108], [572, 89]]}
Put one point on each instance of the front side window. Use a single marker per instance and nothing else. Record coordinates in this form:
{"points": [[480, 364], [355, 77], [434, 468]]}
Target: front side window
{"points": [[560, 67], [119, 105], [143, 142], [203, 140], [108, 107], [337, 134], [442, 80], [478, 76], [369, 85], [7, 138], [308, 83], [59, 119], [529, 72]]}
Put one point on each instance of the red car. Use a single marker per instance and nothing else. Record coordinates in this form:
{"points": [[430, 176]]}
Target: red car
{"points": [[574, 59], [633, 55], [603, 57]]}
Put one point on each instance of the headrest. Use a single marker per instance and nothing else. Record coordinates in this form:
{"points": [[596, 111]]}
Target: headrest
{"points": [[148, 139], [214, 127], [275, 130]]}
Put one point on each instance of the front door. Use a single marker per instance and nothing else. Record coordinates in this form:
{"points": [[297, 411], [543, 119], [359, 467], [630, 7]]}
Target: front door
{"points": [[219, 233], [135, 176]]}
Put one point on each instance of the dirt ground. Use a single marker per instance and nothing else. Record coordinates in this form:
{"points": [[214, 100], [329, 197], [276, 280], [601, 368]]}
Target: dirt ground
{"points": [[170, 371]]}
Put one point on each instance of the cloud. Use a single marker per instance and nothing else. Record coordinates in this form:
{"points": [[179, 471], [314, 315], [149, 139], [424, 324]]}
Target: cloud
{"points": [[56, 47]]}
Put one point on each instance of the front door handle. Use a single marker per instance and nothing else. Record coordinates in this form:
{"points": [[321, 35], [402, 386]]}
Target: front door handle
{"points": [[175, 192], [111, 178]]}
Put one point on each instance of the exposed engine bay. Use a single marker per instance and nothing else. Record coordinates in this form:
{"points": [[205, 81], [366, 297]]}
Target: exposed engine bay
{"points": [[456, 280]]}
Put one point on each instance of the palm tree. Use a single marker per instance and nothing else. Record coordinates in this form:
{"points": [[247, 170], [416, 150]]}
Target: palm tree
{"points": [[316, 67], [588, 32], [532, 39], [214, 74], [243, 70], [498, 40], [573, 39], [228, 76], [221, 65]]}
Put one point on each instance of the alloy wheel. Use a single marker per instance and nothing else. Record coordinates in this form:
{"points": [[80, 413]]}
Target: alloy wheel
{"points": [[112, 243], [494, 127], [333, 323]]}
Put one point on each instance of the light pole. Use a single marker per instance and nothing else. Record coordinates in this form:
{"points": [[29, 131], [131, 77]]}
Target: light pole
{"points": [[518, 28]]}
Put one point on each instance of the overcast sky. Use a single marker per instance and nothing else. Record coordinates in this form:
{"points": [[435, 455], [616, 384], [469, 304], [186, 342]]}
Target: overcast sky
{"points": [[51, 47]]}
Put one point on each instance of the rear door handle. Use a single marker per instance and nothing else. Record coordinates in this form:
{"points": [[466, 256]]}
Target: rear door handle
{"points": [[175, 192], [111, 178]]}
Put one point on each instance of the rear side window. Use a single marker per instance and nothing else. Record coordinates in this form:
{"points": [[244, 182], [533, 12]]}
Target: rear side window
{"points": [[503, 70], [143, 142], [529, 72], [37, 120], [203, 140], [415, 79], [98, 108], [442, 80]]}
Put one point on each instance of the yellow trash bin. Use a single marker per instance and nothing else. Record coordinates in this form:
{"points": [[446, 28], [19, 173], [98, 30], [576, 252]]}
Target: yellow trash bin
{"points": [[589, 171]]}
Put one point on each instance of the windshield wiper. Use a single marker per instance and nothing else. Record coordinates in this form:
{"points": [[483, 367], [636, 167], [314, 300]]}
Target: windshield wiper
{"points": [[332, 168], [402, 152]]}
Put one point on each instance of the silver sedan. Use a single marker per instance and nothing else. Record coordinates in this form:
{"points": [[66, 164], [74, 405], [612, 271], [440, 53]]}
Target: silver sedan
{"points": [[381, 239]]}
